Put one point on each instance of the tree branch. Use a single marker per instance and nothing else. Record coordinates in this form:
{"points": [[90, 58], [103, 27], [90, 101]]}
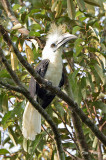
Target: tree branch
{"points": [[10, 87], [80, 136], [26, 93], [72, 105]]}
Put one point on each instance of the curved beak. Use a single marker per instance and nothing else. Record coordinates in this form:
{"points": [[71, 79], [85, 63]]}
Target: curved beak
{"points": [[64, 39]]}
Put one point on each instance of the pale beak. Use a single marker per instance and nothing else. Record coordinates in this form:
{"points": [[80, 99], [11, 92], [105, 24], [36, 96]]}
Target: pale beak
{"points": [[64, 39]]}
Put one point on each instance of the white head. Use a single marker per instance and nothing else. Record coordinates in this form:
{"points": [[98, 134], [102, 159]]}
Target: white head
{"points": [[55, 42]]}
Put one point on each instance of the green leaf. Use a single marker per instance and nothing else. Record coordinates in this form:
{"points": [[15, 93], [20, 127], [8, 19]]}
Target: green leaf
{"points": [[77, 93], [37, 4], [23, 77], [54, 6], [65, 137], [78, 41], [82, 19], [69, 145], [36, 53], [55, 119], [95, 142], [75, 29], [58, 9], [96, 77], [78, 13], [18, 109], [4, 74], [3, 151], [22, 10], [98, 3], [33, 11], [53, 153], [71, 9], [63, 130], [78, 50], [89, 81], [83, 87], [33, 33], [81, 4], [95, 33], [12, 136], [60, 109], [6, 140], [90, 8], [1, 98], [35, 143], [16, 6], [6, 117], [5, 103], [74, 87], [40, 146], [99, 105], [41, 16], [100, 72], [92, 49], [35, 27], [6, 120]]}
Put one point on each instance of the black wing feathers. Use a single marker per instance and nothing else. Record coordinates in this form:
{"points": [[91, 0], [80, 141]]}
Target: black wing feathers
{"points": [[41, 69], [32, 87], [62, 80]]}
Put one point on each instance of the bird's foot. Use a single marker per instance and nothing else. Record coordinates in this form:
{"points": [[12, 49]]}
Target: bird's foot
{"points": [[49, 83]]}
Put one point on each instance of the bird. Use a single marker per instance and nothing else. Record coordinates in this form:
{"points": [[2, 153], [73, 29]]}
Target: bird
{"points": [[51, 69]]}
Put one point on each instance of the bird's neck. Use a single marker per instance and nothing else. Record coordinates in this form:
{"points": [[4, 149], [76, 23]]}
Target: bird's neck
{"points": [[55, 67], [54, 57]]}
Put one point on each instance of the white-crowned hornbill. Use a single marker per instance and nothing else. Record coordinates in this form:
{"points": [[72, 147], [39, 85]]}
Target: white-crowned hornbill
{"points": [[50, 68]]}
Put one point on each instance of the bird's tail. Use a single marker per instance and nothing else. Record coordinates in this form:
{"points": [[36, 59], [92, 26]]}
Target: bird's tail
{"points": [[31, 122]]}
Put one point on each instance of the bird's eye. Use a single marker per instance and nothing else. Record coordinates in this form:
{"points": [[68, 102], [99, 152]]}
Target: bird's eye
{"points": [[53, 45]]}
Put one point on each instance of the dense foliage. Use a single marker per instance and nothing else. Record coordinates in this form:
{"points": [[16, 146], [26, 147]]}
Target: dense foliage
{"points": [[84, 65]]}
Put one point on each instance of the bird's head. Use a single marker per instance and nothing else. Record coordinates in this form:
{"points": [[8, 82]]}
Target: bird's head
{"points": [[56, 39]]}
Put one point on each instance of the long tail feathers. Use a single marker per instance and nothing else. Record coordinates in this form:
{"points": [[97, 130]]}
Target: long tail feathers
{"points": [[31, 122]]}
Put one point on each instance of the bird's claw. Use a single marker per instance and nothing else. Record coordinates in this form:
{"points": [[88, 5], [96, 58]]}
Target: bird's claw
{"points": [[48, 82]]}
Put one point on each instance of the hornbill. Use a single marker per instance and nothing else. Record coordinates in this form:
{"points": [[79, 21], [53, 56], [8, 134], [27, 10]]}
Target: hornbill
{"points": [[50, 68]]}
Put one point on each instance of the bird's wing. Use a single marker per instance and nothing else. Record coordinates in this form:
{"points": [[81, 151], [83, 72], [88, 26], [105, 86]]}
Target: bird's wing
{"points": [[62, 80], [43, 96], [41, 70]]}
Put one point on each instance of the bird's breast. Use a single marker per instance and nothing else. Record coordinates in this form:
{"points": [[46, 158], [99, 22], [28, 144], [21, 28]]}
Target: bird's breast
{"points": [[54, 72]]}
